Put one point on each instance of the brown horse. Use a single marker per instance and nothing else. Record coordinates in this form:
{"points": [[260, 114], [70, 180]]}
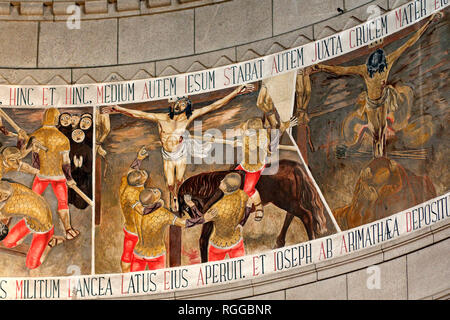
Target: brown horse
{"points": [[290, 189]]}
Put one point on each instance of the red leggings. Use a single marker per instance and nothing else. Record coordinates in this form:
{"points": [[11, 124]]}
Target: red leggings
{"points": [[38, 243], [139, 264], [251, 179], [129, 242], [216, 254], [59, 188]]}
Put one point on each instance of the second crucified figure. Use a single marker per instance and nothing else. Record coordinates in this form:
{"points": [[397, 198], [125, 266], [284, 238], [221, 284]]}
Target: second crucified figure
{"points": [[381, 98]]}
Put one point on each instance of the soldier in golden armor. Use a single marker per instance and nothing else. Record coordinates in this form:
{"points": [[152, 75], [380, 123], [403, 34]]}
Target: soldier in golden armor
{"points": [[255, 150], [54, 166], [18, 200], [151, 220], [260, 139], [131, 186], [228, 214], [232, 210]]}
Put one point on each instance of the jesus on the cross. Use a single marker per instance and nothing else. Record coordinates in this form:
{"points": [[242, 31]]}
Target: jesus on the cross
{"points": [[172, 127]]}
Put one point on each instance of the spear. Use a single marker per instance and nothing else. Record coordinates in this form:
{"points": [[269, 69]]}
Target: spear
{"points": [[82, 195]]}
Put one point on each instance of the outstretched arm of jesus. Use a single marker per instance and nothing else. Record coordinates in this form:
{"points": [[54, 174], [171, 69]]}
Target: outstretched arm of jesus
{"points": [[340, 70], [222, 102], [391, 58], [133, 113]]}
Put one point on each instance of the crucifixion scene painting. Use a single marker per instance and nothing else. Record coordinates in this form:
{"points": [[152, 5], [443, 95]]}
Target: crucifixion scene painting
{"points": [[203, 178], [376, 123]]}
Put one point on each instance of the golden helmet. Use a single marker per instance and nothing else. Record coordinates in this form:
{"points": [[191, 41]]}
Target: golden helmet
{"points": [[51, 117], [149, 196], [232, 181]]}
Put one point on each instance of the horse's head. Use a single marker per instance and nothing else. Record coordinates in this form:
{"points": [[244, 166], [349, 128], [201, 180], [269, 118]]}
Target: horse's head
{"points": [[203, 189]]}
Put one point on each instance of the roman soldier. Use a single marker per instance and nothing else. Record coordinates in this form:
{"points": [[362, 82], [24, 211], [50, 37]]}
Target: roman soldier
{"points": [[228, 215], [151, 220], [131, 186], [260, 141], [255, 151], [18, 200], [54, 166]]}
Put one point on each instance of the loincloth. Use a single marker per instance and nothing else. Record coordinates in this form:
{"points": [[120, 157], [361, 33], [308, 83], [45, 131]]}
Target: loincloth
{"points": [[188, 147], [388, 98]]}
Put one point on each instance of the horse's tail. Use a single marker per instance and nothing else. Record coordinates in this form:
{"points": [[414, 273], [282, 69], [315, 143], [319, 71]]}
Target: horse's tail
{"points": [[309, 196]]}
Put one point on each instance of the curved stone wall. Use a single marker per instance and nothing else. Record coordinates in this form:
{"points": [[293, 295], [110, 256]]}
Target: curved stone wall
{"points": [[411, 267], [133, 39], [191, 36]]}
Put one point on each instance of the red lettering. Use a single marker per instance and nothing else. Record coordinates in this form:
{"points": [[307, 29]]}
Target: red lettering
{"points": [[19, 288], [44, 99], [408, 225], [255, 268], [100, 94], [145, 93], [274, 261], [121, 288], [398, 18], [437, 4], [322, 252], [225, 75], [12, 97], [69, 292], [200, 276], [165, 280], [315, 53], [343, 244], [274, 65], [68, 96]]}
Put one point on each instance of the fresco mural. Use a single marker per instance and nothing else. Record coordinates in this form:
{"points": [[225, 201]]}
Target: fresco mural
{"points": [[212, 177], [377, 120]]}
